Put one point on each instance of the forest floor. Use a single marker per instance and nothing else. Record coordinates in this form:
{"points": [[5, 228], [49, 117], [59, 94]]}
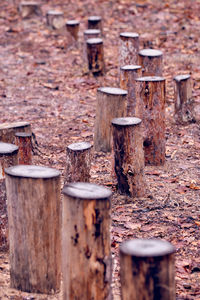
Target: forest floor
{"points": [[43, 81]]}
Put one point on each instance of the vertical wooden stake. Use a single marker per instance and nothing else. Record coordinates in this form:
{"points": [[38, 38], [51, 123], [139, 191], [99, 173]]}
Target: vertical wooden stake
{"points": [[129, 156], [184, 111], [151, 62], [128, 74], [89, 34], [111, 103], [33, 194], [73, 28], [95, 22], [95, 56], [128, 48], [55, 19], [150, 94], [29, 8], [78, 162], [147, 270], [24, 142], [8, 130], [87, 260]]}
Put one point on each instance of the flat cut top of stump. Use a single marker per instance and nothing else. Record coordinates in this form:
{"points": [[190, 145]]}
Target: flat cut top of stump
{"points": [[92, 31], [94, 41], [32, 171], [84, 190], [55, 13], [14, 125], [147, 248], [6, 148], [150, 78], [181, 77], [94, 19], [130, 67], [112, 91], [29, 3], [150, 52], [81, 146], [129, 34], [72, 22], [23, 134], [127, 121]]}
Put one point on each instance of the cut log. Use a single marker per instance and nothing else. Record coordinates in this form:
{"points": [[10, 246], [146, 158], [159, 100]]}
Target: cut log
{"points": [[8, 157], [150, 94], [151, 62], [55, 19], [24, 141], [184, 110], [111, 103], [147, 270], [95, 22], [87, 260], [95, 56], [73, 28], [129, 156], [33, 195], [28, 9], [128, 48], [89, 34], [8, 130], [128, 74], [78, 162]]}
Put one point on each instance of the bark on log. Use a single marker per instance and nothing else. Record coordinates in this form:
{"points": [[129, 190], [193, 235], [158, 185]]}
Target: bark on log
{"points": [[129, 156], [128, 74], [128, 48], [8, 130], [151, 62], [111, 103], [150, 94], [27, 9], [95, 56], [184, 110], [147, 270], [95, 22], [55, 19], [8, 157], [87, 261], [33, 194], [24, 142], [73, 28], [89, 34], [78, 162]]}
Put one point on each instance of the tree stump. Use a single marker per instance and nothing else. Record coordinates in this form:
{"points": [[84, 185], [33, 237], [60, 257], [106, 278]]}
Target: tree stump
{"points": [[95, 22], [147, 270], [8, 130], [151, 62], [27, 9], [73, 28], [87, 260], [184, 110], [33, 194], [24, 142], [8, 157], [55, 19], [89, 34], [78, 162], [111, 103], [129, 156], [128, 48], [95, 56], [128, 74], [150, 107]]}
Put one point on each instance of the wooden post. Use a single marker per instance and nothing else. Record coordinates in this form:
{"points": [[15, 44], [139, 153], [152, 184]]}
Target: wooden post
{"points": [[151, 62], [24, 142], [147, 270], [33, 194], [95, 22], [150, 94], [184, 111], [87, 260], [73, 28], [128, 74], [89, 34], [8, 130], [129, 156], [78, 162], [111, 103], [29, 8], [128, 48], [55, 19], [8, 157], [95, 56]]}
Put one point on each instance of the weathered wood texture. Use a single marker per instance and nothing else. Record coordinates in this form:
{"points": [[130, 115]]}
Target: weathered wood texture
{"points": [[95, 22], [184, 110], [78, 162], [87, 261], [8, 130], [129, 156], [24, 141], [73, 28], [147, 270], [89, 34], [29, 8], [150, 94], [128, 48], [95, 56], [128, 74], [34, 217], [8, 157], [111, 103], [151, 62], [55, 19]]}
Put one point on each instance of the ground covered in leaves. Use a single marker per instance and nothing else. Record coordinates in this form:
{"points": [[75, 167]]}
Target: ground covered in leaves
{"points": [[43, 80]]}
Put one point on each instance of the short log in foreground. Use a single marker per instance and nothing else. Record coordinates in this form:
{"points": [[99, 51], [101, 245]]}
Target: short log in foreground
{"points": [[151, 62], [128, 48], [8, 130], [33, 195], [87, 267], [95, 56], [73, 28], [147, 270], [24, 142]]}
